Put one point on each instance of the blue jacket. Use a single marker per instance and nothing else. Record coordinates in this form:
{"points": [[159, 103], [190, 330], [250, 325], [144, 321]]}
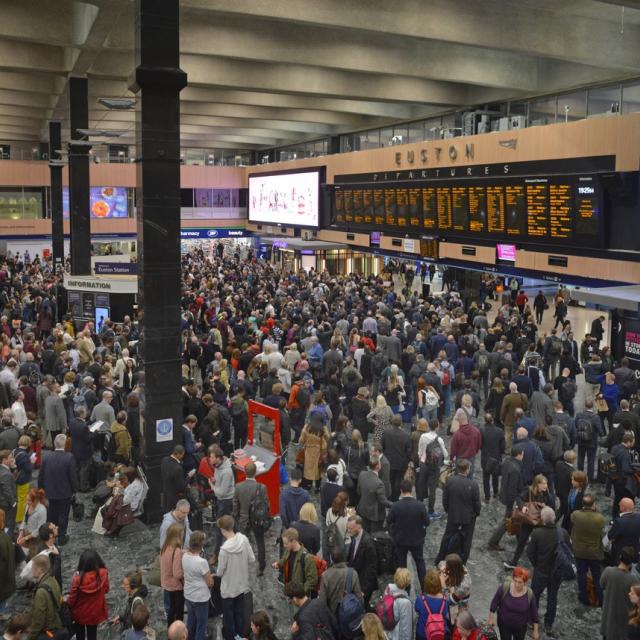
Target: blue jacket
{"points": [[533, 462], [291, 501], [58, 475]]}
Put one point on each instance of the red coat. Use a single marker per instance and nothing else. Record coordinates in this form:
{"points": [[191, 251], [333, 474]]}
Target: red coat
{"points": [[87, 600]]}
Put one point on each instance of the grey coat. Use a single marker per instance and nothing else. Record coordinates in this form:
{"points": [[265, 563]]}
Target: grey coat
{"points": [[541, 405], [243, 498], [55, 417], [7, 488], [373, 499], [615, 607]]}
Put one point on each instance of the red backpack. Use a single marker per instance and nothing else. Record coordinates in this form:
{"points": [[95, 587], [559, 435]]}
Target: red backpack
{"points": [[435, 628], [384, 609]]}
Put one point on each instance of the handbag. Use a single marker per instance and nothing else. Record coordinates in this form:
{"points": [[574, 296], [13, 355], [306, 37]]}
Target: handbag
{"points": [[445, 473], [77, 510], [153, 573], [300, 456], [601, 405], [347, 480], [529, 517], [513, 528]]}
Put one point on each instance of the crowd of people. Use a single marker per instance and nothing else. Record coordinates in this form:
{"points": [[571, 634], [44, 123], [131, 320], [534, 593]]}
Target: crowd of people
{"points": [[398, 407]]}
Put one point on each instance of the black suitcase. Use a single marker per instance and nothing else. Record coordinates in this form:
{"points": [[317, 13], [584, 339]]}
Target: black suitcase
{"points": [[385, 551]]}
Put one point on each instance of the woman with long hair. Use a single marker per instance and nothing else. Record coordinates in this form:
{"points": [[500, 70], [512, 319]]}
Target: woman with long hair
{"points": [[336, 515], [394, 391], [574, 499], [314, 439], [456, 584], [34, 516], [381, 416], [633, 625], [538, 492], [427, 400], [372, 628], [494, 400], [171, 573], [261, 628], [87, 595], [357, 461]]}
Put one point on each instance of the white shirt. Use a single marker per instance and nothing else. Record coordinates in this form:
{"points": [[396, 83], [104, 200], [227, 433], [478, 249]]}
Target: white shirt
{"points": [[195, 586], [425, 440]]}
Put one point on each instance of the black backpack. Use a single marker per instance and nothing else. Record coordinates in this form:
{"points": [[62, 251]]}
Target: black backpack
{"points": [[259, 511], [433, 454], [584, 430], [564, 564]]}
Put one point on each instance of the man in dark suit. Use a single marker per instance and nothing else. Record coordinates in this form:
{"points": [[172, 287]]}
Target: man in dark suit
{"points": [[81, 446], [58, 477], [408, 521], [8, 494], [397, 449], [625, 530], [461, 501], [361, 556], [373, 500], [243, 498], [510, 488], [564, 470], [375, 451], [174, 480], [491, 455]]}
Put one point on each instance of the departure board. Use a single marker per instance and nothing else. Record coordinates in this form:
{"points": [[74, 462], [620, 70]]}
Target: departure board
{"points": [[338, 204], [560, 207], [537, 208], [402, 202], [477, 209], [515, 202], [495, 209], [348, 205], [378, 207], [544, 209], [390, 207], [358, 216], [587, 209], [367, 205], [459, 208], [443, 198], [415, 207], [429, 209]]}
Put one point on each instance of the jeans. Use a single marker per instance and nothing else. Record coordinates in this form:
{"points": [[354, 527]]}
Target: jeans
{"points": [[418, 557], [539, 583], [232, 617], [176, 605], [59, 514], [590, 453], [583, 568], [427, 484], [489, 481], [197, 617], [501, 529]]}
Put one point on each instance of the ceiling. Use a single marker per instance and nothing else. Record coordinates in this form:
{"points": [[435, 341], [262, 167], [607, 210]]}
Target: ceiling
{"points": [[266, 73]]}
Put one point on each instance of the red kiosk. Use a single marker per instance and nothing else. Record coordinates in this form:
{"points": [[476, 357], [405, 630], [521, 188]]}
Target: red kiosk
{"points": [[264, 448]]}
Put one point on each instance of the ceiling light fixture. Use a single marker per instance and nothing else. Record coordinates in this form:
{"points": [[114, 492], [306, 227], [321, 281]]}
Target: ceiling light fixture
{"points": [[102, 133]]}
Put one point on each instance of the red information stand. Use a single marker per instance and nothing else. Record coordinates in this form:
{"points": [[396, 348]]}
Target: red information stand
{"points": [[263, 445]]}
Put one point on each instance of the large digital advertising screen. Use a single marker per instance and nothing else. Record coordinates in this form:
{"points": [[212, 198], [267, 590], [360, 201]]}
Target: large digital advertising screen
{"points": [[287, 199], [104, 202]]}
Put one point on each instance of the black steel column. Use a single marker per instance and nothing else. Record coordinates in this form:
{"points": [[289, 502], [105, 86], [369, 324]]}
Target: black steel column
{"points": [[57, 233], [79, 216], [158, 79]]}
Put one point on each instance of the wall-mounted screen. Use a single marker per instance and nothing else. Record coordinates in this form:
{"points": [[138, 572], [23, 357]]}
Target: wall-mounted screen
{"points": [[291, 199], [506, 252], [104, 202], [546, 209]]}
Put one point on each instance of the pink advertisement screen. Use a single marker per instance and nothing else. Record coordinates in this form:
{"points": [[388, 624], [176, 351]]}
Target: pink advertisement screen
{"points": [[507, 252]]}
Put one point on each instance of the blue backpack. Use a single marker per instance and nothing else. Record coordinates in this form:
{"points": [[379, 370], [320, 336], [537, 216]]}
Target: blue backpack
{"points": [[564, 564], [350, 609]]}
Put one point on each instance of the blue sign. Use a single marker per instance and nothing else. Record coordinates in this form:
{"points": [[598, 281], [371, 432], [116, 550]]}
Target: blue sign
{"points": [[209, 234], [164, 430], [115, 268]]}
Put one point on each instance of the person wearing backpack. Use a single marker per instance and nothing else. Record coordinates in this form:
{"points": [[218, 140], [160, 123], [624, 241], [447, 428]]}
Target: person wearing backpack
{"points": [[394, 607], [432, 610], [312, 619], [516, 607], [251, 511], [47, 598], [542, 552], [432, 455], [334, 582], [297, 564], [588, 429]]}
